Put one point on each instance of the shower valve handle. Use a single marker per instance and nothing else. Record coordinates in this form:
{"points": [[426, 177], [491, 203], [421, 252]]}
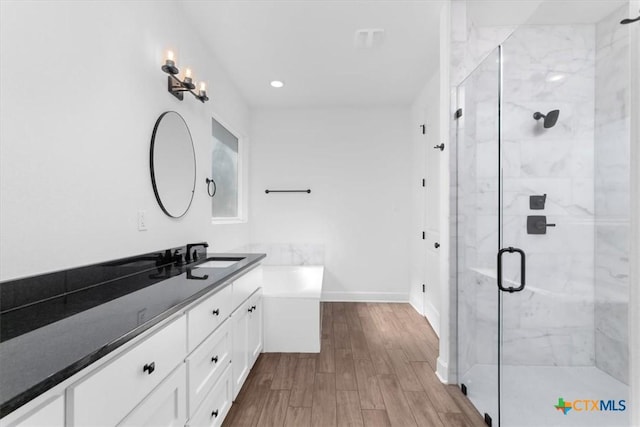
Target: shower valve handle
{"points": [[537, 224]]}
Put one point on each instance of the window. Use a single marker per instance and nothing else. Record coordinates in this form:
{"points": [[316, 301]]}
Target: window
{"points": [[226, 167]]}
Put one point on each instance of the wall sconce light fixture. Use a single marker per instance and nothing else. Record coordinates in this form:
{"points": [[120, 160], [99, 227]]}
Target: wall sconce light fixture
{"points": [[176, 86]]}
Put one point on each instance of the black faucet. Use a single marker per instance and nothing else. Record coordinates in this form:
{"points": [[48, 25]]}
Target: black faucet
{"points": [[177, 257], [187, 256]]}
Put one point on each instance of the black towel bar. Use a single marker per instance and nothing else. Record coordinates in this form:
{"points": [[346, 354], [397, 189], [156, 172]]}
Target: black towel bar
{"points": [[287, 191]]}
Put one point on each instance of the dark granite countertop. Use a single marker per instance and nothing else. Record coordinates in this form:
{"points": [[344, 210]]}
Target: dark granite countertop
{"points": [[48, 341]]}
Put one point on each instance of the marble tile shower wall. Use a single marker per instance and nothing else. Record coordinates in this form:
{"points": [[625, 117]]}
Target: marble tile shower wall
{"points": [[545, 68], [471, 44], [288, 253], [612, 189]]}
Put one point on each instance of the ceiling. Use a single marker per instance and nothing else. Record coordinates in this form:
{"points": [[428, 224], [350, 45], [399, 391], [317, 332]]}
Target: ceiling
{"points": [[540, 12], [309, 44]]}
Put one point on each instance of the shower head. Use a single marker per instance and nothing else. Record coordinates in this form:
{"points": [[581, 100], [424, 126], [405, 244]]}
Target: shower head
{"points": [[550, 118], [629, 20]]}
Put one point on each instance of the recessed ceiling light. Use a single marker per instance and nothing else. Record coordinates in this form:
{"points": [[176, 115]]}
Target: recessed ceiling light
{"points": [[277, 83]]}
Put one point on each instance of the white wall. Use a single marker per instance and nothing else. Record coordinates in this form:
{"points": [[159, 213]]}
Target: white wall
{"points": [[81, 89], [357, 164]]}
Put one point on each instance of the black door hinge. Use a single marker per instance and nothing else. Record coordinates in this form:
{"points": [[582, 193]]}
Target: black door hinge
{"points": [[487, 420], [423, 288], [458, 113], [423, 235], [424, 129], [424, 182]]}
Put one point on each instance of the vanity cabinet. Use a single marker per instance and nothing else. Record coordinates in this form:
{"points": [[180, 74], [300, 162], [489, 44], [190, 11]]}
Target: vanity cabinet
{"points": [[184, 372], [246, 322]]}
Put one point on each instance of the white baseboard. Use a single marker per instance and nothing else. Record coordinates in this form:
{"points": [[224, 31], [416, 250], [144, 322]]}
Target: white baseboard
{"points": [[415, 307], [365, 297], [442, 371], [433, 316]]}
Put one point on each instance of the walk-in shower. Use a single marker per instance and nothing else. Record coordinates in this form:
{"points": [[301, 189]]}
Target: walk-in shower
{"points": [[553, 203]]}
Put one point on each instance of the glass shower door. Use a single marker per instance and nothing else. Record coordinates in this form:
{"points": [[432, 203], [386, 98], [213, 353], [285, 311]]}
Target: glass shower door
{"points": [[478, 235], [564, 190]]}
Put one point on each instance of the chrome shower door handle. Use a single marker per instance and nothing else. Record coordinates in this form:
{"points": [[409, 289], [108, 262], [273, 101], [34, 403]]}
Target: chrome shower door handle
{"points": [[511, 250]]}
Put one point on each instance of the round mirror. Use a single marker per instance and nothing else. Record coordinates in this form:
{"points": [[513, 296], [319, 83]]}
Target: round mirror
{"points": [[173, 164]]}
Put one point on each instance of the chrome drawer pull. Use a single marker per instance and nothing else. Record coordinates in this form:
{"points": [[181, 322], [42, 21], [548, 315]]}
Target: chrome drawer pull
{"points": [[149, 367]]}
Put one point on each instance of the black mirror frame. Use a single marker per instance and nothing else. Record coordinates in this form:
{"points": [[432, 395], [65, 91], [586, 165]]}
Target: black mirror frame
{"points": [[151, 168]]}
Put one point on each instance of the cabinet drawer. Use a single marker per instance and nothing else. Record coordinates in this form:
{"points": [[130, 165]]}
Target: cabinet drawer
{"points": [[166, 406], [245, 285], [207, 316], [207, 363], [215, 405], [109, 394]]}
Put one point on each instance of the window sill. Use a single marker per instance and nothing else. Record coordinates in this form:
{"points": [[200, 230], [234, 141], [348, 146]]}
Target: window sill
{"points": [[228, 221]]}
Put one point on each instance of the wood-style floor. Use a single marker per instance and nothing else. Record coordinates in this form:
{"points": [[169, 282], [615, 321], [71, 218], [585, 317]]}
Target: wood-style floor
{"points": [[376, 368]]}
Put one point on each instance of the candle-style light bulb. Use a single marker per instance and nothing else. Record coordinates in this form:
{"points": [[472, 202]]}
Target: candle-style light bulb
{"points": [[169, 65], [202, 93], [188, 81]]}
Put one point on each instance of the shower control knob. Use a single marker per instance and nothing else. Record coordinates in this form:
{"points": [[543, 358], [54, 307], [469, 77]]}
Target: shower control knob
{"points": [[537, 224]]}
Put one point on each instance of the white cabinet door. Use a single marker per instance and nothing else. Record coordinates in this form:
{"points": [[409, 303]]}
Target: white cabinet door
{"points": [[166, 406], [50, 414], [255, 341], [240, 355]]}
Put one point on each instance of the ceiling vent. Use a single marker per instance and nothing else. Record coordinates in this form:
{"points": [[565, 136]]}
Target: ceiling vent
{"points": [[369, 38]]}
